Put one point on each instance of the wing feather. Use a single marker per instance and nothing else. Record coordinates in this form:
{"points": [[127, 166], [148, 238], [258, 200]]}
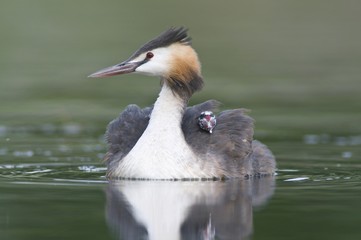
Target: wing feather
{"points": [[230, 149], [229, 145], [123, 132]]}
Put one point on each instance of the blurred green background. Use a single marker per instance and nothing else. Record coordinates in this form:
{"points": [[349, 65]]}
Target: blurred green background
{"points": [[295, 64]]}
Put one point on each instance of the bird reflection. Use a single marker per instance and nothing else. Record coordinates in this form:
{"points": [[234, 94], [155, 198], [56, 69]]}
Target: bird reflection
{"points": [[165, 210]]}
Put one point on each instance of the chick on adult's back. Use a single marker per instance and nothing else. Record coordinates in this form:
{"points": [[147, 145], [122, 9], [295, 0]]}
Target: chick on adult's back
{"points": [[170, 140]]}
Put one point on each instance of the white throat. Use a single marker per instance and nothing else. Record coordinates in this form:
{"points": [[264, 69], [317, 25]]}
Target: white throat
{"points": [[162, 152]]}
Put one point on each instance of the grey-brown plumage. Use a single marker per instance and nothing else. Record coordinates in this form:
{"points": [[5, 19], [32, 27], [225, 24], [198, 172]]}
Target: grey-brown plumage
{"points": [[229, 151], [231, 144], [123, 133]]}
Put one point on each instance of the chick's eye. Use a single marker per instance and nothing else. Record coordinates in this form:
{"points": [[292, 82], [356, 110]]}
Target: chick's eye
{"points": [[150, 55]]}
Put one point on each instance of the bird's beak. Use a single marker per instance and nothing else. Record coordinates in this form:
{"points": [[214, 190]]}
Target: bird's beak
{"points": [[121, 68]]}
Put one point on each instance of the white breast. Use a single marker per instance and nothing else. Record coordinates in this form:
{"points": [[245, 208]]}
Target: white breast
{"points": [[162, 152]]}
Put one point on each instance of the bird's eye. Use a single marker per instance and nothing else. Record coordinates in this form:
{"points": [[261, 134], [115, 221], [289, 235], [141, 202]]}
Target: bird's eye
{"points": [[150, 55]]}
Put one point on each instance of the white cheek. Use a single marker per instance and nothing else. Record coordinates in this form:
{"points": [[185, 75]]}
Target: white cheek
{"points": [[153, 68], [159, 65]]}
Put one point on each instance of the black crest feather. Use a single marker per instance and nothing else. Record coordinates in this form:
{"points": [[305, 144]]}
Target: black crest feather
{"points": [[168, 37]]}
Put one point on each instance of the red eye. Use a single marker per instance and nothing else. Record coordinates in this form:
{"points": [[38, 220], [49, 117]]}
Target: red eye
{"points": [[150, 55]]}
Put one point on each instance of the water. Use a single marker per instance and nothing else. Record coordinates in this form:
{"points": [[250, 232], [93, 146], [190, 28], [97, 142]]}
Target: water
{"points": [[53, 186], [296, 65]]}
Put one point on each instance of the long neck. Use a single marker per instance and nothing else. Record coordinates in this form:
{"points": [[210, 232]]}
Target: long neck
{"points": [[162, 151], [168, 110]]}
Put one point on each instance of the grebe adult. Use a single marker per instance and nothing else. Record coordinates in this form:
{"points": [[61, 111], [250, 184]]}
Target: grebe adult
{"points": [[166, 141]]}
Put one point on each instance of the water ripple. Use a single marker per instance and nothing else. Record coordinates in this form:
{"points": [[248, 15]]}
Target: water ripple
{"points": [[298, 179]]}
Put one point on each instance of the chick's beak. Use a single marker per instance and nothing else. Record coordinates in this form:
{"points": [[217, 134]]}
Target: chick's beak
{"points": [[121, 68]]}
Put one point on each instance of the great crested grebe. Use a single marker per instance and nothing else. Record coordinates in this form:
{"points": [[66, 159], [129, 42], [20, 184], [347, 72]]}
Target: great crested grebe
{"points": [[170, 140]]}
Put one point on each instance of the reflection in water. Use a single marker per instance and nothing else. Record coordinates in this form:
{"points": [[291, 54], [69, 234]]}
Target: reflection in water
{"points": [[157, 210]]}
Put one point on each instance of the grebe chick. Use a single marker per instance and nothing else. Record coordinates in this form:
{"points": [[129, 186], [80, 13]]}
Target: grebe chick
{"points": [[166, 141]]}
